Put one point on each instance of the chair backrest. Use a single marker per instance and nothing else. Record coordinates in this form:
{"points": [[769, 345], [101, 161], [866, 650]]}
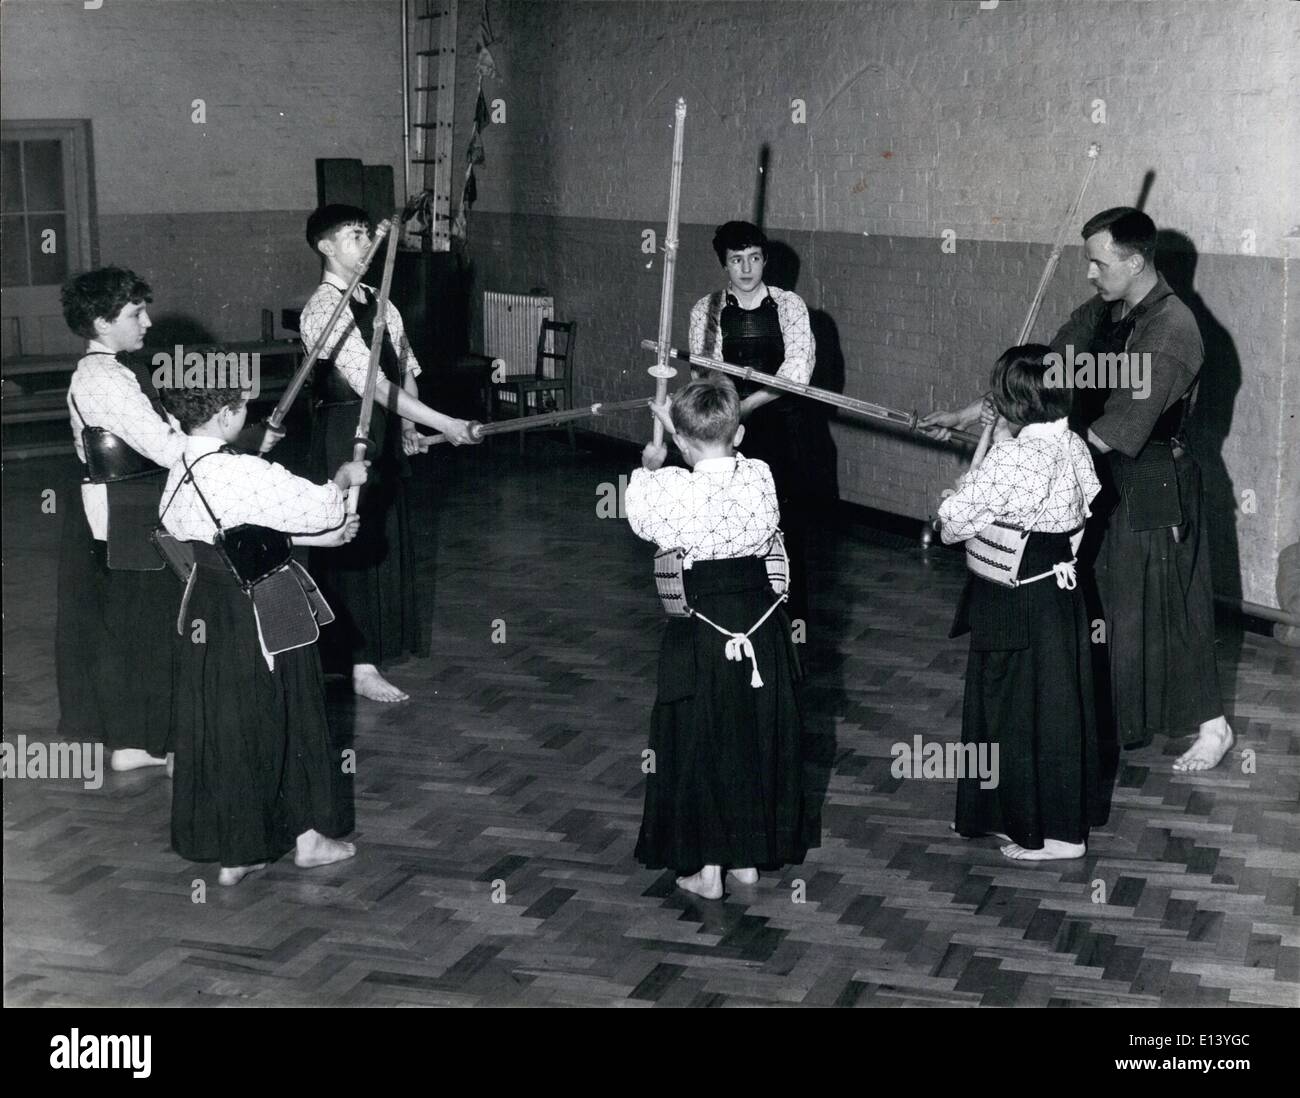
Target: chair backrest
{"points": [[563, 333]]}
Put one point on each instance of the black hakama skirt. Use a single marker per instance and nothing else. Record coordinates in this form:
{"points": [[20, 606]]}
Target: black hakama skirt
{"points": [[1029, 691], [1158, 597], [727, 785], [255, 766], [370, 583], [115, 644]]}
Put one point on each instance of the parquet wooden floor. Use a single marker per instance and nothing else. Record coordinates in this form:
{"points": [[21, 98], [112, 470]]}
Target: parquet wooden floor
{"points": [[515, 775]]}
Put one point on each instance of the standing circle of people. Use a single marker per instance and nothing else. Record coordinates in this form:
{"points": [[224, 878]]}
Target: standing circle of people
{"points": [[1052, 532]]}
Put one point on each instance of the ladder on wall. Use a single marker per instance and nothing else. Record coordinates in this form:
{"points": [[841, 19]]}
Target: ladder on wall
{"points": [[431, 38]]}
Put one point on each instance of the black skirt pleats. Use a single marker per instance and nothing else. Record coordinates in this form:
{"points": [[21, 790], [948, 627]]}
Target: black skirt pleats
{"points": [[255, 766], [115, 644], [1158, 597], [1029, 691], [371, 583], [727, 786]]}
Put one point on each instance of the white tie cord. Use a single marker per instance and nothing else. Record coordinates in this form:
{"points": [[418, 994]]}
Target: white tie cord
{"points": [[739, 646], [1064, 573]]}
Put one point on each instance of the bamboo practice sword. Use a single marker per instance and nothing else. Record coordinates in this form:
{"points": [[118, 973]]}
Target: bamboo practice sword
{"points": [[1055, 256], [546, 419], [362, 439], [276, 419], [661, 371], [907, 420], [1049, 269]]}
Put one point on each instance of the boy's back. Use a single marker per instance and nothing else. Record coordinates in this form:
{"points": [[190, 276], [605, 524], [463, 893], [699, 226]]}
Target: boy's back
{"points": [[725, 507]]}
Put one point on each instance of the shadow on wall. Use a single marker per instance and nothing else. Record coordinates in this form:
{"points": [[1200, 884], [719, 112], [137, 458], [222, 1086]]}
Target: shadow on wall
{"points": [[169, 329], [1211, 418], [782, 271]]}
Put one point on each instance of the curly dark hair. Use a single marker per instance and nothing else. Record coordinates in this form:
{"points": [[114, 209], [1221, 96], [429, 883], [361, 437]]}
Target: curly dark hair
{"points": [[101, 294], [195, 406]]}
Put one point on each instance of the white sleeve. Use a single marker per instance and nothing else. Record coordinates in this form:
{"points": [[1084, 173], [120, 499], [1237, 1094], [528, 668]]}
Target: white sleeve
{"points": [[982, 497]]}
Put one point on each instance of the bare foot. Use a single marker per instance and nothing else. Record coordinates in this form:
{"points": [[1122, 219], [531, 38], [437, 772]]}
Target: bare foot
{"points": [[313, 849], [1052, 850], [369, 683], [233, 874], [133, 758], [707, 882], [1212, 743], [745, 876], [171, 764]]}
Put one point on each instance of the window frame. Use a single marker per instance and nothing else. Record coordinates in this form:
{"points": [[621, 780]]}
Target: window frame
{"points": [[74, 136]]}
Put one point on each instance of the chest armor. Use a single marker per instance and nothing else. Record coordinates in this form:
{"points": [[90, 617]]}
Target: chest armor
{"points": [[752, 338], [134, 485], [330, 388], [1147, 483]]}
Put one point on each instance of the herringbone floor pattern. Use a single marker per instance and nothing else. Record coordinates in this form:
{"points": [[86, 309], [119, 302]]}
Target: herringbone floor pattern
{"points": [[514, 776]]}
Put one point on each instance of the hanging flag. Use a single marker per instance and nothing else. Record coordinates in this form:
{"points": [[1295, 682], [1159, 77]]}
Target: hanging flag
{"points": [[486, 64], [474, 154]]}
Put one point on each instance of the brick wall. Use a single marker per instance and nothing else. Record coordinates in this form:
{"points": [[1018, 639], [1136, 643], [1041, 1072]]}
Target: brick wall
{"points": [[212, 214], [921, 117]]}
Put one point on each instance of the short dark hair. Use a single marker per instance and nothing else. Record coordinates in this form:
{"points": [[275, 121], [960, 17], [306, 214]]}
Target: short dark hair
{"points": [[327, 220], [707, 410], [195, 406], [1130, 229], [101, 294], [736, 236], [1020, 390]]}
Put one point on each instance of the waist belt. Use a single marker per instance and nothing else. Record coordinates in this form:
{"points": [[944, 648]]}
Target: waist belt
{"points": [[670, 579], [995, 553]]}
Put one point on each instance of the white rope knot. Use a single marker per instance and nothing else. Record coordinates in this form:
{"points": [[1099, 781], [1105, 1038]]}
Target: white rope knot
{"points": [[738, 648], [1065, 577], [738, 645]]}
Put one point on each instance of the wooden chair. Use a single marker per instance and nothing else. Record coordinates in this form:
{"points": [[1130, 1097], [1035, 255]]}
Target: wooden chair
{"points": [[560, 387]]}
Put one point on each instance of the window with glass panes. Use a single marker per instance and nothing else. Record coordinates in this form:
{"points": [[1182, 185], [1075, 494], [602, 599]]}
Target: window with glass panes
{"points": [[33, 213]]}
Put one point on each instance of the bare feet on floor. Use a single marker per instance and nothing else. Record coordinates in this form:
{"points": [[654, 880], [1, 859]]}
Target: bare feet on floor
{"points": [[313, 849], [1052, 850], [369, 683], [707, 882], [747, 876], [1212, 743], [133, 758], [233, 874]]}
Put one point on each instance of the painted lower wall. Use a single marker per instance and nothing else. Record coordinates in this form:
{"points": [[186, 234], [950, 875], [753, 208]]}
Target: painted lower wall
{"points": [[901, 323]]}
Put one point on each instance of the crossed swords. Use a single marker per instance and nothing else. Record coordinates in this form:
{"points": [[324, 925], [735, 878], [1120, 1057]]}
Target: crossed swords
{"points": [[661, 371]]}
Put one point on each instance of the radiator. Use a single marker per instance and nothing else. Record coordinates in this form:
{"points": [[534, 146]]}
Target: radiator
{"points": [[511, 323]]}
